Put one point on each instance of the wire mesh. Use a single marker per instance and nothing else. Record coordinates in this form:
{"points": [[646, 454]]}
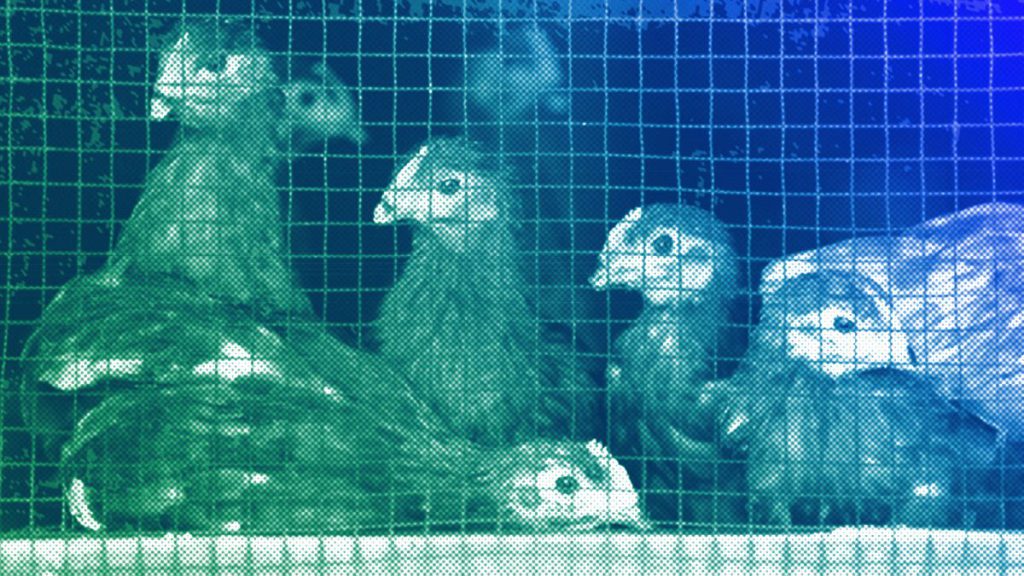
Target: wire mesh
{"points": [[237, 313]]}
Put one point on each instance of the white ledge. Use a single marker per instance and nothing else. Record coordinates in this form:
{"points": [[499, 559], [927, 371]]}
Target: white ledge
{"points": [[845, 551]]}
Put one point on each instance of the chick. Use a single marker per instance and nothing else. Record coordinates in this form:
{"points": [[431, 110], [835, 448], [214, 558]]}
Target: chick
{"points": [[955, 286], [287, 449], [204, 238], [681, 260], [459, 321], [833, 441]]}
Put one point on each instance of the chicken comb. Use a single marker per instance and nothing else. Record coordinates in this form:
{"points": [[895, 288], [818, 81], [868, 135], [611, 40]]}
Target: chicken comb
{"points": [[598, 450], [246, 69], [617, 475], [617, 235]]}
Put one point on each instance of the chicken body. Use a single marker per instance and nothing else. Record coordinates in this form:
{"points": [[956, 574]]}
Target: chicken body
{"points": [[834, 442], [322, 438], [459, 322], [210, 210], [956, 289], [659, 391]]}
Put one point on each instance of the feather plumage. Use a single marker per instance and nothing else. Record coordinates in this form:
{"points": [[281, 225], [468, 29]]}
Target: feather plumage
{"points": [[210, 209], [210, 214], [330, 439], [833, 444], [459, 321], [955, 284], [206, 206], [94, 333], [681, 259]]}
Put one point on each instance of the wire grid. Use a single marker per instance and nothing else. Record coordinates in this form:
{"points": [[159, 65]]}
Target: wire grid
{"points": [[798, 125]]}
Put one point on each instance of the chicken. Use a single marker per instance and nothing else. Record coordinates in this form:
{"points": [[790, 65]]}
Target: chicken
{"points": [[201, 253], [203, 237], [829, 441], [286, 449], [319, 106], [681, 260], [955, 285], [459, 321], [210, 208]]}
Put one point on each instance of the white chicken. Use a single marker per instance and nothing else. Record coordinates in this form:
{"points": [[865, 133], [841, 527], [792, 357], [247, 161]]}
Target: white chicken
{"points": [[957, 288], [829, 441]]}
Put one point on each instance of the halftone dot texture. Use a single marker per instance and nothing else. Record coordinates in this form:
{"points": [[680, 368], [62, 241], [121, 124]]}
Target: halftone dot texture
{"points": [[798, 125]]}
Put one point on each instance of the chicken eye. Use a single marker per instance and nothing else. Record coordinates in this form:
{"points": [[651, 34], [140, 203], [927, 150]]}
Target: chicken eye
{"points": [[567, 484], [449, 186], [844, 325], [662, 245]]}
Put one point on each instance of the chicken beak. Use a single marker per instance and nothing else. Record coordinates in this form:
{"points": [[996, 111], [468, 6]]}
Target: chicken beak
{"points": [[159, 109], [384, 212], [599, 280], [615, 271]]}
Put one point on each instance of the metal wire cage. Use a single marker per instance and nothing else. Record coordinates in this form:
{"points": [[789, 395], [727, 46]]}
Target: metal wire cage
{"points": [[797, 125]]}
